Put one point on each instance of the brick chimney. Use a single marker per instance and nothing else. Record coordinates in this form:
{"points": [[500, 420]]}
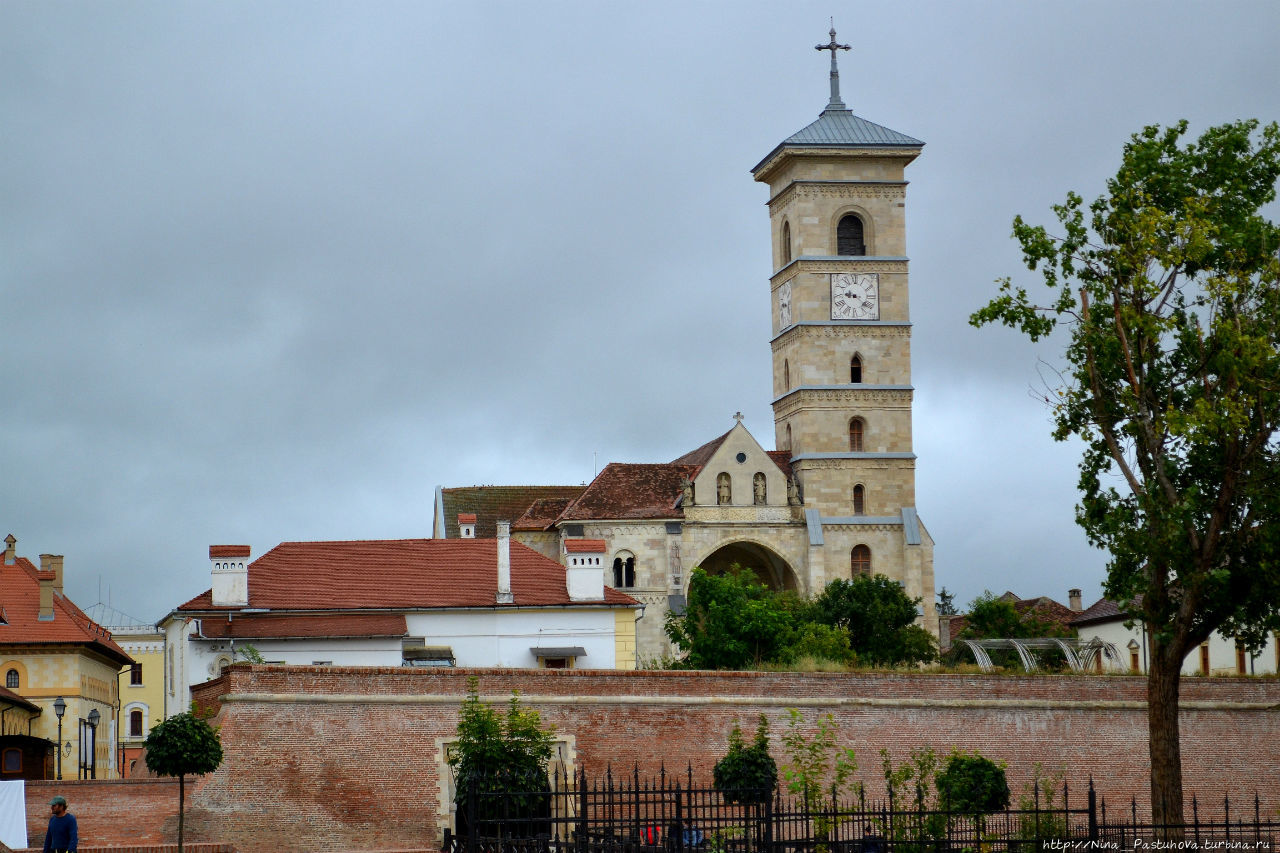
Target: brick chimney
{"points": [[230, 569], [467, 525], [1073, 599], [46, 596], [10, 549], [53, 563], [584, 569], [505, 595]]}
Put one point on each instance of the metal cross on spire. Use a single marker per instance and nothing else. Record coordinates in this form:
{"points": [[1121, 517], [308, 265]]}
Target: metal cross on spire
{"points": [[833, 46]]}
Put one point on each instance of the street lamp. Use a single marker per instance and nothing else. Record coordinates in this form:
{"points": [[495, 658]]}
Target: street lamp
{"points": [[59, 708], [94, 716]]}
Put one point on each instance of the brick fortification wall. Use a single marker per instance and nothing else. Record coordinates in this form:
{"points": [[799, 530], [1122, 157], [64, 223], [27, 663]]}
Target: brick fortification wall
{"points": [[338, 758]]}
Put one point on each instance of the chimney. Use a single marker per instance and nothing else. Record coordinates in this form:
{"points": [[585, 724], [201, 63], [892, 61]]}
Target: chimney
{"points": [[53, 563], [1073, 597], [10, 549], [46, 597], [230, 571], [584, 569], [944, 633], [467, 525], [504, 563]]}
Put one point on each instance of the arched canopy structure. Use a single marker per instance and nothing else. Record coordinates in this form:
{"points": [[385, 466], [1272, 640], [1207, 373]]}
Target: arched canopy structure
{"points": [[1081, 657], [771, 569]]}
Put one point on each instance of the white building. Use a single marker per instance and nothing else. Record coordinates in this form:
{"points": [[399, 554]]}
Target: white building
{"points": [[1219, 655], [409, 602]]}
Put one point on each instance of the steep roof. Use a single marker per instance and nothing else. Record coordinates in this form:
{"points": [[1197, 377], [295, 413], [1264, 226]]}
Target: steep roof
{"points": [[400, 574], [699, 456], [1104, 610], [840, 128], [542, 514], [629, 491], [492, 504], [20, 611]]}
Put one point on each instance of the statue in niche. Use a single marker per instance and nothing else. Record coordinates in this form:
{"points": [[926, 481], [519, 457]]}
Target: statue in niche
{"points": [[724, 490], [758, 489], [793, 491], [687, 485]]}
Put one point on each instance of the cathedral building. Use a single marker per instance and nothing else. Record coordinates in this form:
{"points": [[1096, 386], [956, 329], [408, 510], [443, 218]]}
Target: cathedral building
{"points": [[837, 497]]}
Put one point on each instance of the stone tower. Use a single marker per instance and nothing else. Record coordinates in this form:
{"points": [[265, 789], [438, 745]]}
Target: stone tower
{"points": [[842, 390]]}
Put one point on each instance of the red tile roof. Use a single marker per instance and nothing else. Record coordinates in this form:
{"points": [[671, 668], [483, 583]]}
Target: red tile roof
{"points": [[281, 626], [542, 514], [466, 518], [216, 551], [1105, 610], [400, 574], [584, 546], [492, 504], [625, 491], [700, 456], [21, 625]]}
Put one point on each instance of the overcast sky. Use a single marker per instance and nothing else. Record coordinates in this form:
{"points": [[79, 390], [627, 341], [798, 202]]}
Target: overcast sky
{"points": [[276, 271]]}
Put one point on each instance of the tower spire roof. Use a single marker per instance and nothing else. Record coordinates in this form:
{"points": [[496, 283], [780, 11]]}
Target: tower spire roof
{"points": [[835, 103]]}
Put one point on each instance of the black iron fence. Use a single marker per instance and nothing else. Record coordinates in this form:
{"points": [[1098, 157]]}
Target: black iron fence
{"points": [[670, 814]]}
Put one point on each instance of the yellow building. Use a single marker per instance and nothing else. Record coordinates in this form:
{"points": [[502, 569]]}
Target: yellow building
{"points": [[141, 689], [64, 666]]}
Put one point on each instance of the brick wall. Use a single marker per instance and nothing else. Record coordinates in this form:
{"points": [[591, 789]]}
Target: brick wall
{"points": [[350, 759], [109, 813]]}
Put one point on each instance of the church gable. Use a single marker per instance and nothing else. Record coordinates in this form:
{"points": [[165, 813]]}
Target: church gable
{"points": [[739, 472]]}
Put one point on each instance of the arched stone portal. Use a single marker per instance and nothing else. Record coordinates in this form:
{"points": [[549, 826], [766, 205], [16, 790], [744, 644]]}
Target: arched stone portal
{"points": [[772, 570]]}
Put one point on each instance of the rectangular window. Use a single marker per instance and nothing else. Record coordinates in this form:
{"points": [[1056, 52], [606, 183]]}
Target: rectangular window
{"points": [[1133, 660], [1241, 660], [135, 674], [1204, 659], [555, 663]]}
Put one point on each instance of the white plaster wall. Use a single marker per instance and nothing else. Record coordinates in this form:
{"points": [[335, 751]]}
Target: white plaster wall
{"points": [[1222, 650], [504, 637]]}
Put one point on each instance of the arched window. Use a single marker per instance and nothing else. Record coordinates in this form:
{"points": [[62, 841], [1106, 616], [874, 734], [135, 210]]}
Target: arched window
{"points": [[859, 500], [11, 679], [855, 369], [860, 561], [724, 489], [786, 375], [759, 489], [855, 435], [624, 570], [786, 243], [849, 239], [789, 447], [135, 723]]}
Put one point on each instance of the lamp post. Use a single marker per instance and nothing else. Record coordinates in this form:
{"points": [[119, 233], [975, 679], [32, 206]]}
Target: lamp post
{"points": [[59, 708], [94, 716]]}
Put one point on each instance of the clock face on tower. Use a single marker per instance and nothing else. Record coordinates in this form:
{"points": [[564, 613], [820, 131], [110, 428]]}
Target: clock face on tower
{"points": [[784, 305], [855, 296]]}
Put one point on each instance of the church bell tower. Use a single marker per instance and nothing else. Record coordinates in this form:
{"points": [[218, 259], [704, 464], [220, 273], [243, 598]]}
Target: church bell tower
{"points": [[842, 392]]}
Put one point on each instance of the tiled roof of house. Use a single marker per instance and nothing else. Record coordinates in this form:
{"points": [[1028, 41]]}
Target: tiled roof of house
{"points": [[628, 491], [8, 697], [216, 551], [400, 574], [292, 625], [1103, 610], [1045, 609], [20, 611], [542, 514], [492, 504], [584, 546], [781, 458]]}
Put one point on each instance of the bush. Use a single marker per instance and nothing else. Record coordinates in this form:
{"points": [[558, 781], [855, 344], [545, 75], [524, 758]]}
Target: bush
{"points": [[973, 785], [747, 774]]}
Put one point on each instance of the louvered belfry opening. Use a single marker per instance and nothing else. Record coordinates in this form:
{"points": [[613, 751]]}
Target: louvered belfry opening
{"points": [[849, 239]]}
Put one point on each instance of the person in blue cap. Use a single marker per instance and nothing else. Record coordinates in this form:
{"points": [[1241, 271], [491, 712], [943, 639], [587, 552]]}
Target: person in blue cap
{"points": [[62, 834]]}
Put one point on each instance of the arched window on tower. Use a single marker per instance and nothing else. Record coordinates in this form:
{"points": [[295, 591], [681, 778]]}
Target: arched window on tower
{"points": [[759, 489], [624, 570], [860, 561], [859, 500], [724, 489], [786, 375], [786, 243], [788, 447], [849, 237], [855, 435], [855, 369]]}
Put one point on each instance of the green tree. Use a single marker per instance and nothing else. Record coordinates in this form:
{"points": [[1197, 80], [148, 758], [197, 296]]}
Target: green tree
{"points": [[946, 605], [880, 619], [184, 744], [992, 617], [500, 754], [816, 765], [731, 621], [747, 774], [1168, 290], [973, 785]]}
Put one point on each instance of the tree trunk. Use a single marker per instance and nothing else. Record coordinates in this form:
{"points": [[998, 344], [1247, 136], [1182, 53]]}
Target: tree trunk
{"points": [[1162, 729], [182, 796]]}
